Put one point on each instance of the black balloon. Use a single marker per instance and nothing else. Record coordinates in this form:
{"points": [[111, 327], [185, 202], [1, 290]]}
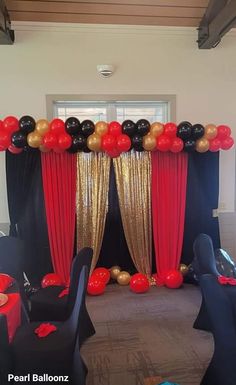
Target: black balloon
{"points": [[86, 149], [72, 126], [137, 142], [197, 131], [27, 124], [189, 145], [19, 139], [87, 128], [184, 130], [78, 144], [128, 127], [142, 127]]}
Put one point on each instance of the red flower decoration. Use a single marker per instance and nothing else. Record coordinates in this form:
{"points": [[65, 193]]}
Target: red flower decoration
{"points": [[44, 329]]}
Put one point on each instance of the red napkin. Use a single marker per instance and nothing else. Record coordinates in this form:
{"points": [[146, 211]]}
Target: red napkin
{"points": [[226, 281], [44, 329], [63, 293]]}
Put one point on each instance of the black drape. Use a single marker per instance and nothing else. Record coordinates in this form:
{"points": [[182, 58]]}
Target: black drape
{"points": [[27, 211], [114, 250], [202, 198]]}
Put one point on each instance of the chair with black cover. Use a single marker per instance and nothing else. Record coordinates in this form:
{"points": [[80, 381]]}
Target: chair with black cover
{"points": [[47, 305], [204, 263], [12, 262], [5, 356], [52, 354], [222, 368]]}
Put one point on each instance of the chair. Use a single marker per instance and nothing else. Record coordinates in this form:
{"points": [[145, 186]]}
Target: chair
{"points": [[5, 357], [204, 263], [46, 305], [12, 255], [53, 354], [222, 368]]}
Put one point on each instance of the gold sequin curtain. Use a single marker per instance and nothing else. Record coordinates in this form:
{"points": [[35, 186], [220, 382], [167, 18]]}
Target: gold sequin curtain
{"points": [[93, 171], [133, 179]]}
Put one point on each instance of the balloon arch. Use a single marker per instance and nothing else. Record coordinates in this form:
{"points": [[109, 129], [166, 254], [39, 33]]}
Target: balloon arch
{"points": [[113, 138]]}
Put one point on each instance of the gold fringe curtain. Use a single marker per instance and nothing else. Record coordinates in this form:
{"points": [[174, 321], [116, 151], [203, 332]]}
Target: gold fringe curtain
{"points": [[133, 179], [93, 171]]}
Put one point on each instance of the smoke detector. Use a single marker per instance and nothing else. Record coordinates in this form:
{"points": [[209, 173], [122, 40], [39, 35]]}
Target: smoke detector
{"points": [[105, 70]]}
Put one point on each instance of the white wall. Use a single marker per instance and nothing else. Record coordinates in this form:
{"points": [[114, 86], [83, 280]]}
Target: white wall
{"points": [[57, 59]]}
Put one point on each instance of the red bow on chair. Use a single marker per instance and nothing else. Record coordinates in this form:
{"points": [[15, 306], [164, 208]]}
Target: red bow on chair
{"points": [[226, 281]]}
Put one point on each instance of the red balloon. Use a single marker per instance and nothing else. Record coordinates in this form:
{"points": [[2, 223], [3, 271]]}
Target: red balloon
{"points": [[113, 153], [223, 132], [57, 126], [173, 279], [64, 141], [163, 143], [177, 145], [227, 143], [139, 283], [108, 142], [214, 145], [95, 286], [50, 140], [170, 129], [123, 142], [114, 128], [1, 125], [102, 273], [10, 124], [14, 150], [51, 279], [58, 150], [5, 140]]}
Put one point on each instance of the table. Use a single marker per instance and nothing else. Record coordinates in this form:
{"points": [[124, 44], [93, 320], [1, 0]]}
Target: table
{"points": [[12, 311]]}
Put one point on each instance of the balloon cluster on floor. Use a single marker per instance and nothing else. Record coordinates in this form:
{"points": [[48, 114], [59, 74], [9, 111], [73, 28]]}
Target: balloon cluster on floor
{"points": [[112, 138], [138, 283]]}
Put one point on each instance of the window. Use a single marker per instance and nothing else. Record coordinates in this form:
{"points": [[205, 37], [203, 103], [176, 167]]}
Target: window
{"points": [[113, 110]]}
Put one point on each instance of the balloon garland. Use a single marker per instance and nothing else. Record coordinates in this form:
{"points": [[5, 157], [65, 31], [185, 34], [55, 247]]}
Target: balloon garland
{"points": [[113, 138]]}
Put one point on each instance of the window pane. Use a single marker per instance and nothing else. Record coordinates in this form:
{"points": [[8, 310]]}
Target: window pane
{"points": [[93, 113]]}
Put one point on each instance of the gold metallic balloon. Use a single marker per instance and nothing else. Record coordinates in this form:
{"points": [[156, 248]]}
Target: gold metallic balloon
{"points": [[202, 145], [149, 142], [156, 129], [123, 278], [94, 142], [183, 268], [44, 149], [42, 126], [101, 128], [210, 131], [115, 270], [34, 139]]}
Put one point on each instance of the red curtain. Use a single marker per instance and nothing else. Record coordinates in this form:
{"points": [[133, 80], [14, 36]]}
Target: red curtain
{"points": [[169, 179], [59, 184]]}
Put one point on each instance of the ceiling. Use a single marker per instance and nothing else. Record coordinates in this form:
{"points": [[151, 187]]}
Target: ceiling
{"points": [[134, 12]]}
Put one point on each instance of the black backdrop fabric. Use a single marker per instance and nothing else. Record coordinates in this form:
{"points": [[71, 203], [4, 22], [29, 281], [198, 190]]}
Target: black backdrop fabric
{"points": [[27, 211], [202, 198], [114, 250]]}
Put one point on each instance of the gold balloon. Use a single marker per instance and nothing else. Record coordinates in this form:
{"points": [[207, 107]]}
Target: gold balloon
{"points": [[44, 149], [149, 142], [210, 131], [183, 268], [94, 142], [34, 139], [115, 270], [202, 145], [101, 128], [156, 129], [123, 278], [42, 126]]}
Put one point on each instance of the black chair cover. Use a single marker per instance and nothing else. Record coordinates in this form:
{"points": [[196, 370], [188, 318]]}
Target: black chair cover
{"points": [[222, 368]]}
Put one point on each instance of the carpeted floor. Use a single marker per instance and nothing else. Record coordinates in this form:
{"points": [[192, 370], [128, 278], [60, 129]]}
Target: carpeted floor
{"points": [[146, 335]]}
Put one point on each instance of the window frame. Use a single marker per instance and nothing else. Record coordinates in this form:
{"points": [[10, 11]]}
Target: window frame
{"points": [[51, 100]]}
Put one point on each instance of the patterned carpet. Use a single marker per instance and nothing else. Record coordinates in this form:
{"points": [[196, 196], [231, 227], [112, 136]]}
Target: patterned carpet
{"points": [[147, 335]]}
